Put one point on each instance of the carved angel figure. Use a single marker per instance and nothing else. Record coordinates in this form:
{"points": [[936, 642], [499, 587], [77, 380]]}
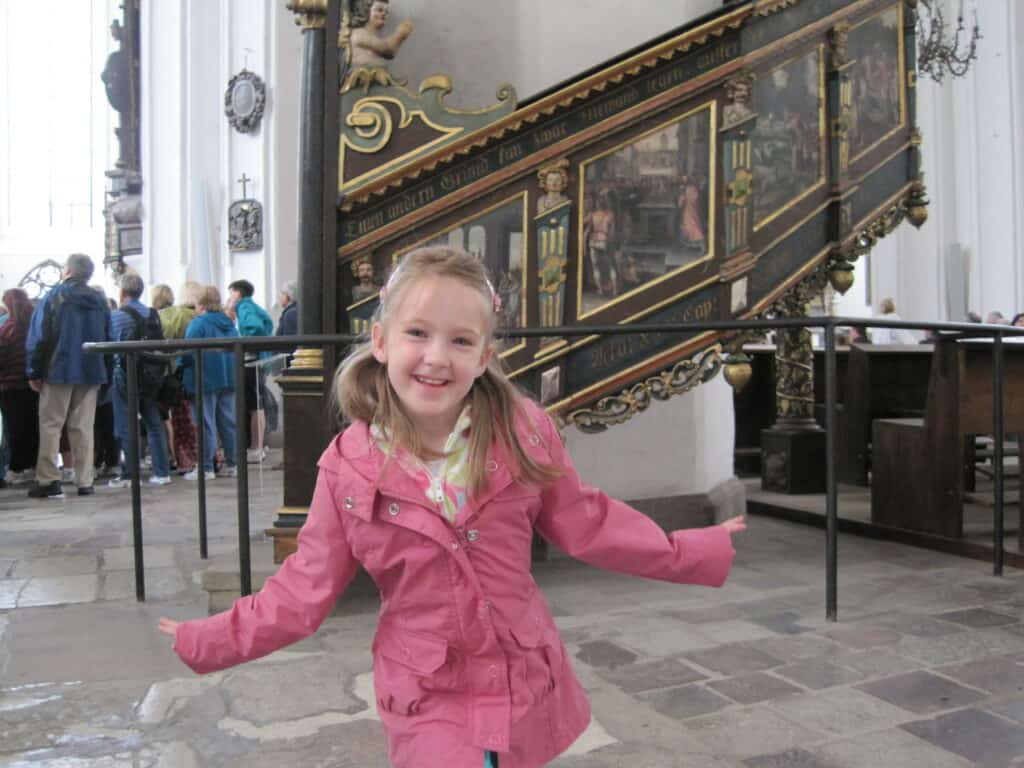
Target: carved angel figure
{"points": [[370, 47]]}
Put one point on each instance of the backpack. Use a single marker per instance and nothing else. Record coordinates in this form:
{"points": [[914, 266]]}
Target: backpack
{"points": [[151, 372]]}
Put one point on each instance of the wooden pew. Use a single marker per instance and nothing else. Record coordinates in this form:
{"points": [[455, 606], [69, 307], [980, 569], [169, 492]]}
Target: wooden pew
{"points": [[882, 381], [918, 479]]}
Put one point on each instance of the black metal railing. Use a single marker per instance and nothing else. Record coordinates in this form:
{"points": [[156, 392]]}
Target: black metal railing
{"points": [[237, 346]]}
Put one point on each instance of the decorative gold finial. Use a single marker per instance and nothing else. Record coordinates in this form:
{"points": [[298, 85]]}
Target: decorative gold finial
{"points": [[310, 14]]}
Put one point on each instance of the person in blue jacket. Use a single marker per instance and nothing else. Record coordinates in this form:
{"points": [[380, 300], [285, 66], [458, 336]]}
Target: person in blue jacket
{"points": [[218, 392], [66, 378], [252, 320]]}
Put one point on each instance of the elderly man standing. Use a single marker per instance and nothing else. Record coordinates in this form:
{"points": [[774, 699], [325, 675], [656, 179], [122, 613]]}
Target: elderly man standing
{"points": [[288, 323], [66, 378]]}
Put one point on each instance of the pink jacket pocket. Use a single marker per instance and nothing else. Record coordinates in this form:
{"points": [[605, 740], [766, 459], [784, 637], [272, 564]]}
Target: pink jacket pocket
{"points": [[423, 654]]}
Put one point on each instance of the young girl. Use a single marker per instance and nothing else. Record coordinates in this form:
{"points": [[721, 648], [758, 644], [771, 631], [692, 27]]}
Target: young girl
{"points": [[436, 490]]}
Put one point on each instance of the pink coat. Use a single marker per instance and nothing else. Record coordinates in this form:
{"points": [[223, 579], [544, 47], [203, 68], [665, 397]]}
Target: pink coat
{"points": [[467, 657]]}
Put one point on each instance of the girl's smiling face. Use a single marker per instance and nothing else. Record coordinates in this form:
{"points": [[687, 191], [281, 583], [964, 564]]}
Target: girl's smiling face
{"points": [[434, 343]]}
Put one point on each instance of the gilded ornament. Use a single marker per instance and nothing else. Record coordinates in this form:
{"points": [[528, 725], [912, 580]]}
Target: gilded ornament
{"points": [[841, 276], [309, 14], [740, 187], [917, 204], [739, 91], [838, 38], [737, 371]]}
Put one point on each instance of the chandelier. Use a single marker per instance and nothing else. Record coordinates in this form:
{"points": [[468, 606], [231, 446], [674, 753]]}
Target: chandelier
{"points": [[937, 51]]}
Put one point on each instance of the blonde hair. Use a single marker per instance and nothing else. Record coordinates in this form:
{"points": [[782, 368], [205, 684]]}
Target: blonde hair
{"points": [[888, 306], [161, 296], [362, 391], [209, 299], [190, 293]]}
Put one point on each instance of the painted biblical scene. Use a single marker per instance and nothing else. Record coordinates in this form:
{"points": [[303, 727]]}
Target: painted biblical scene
{"points": [[787, 153], [496, 238], [877, 110], [645, 211]]}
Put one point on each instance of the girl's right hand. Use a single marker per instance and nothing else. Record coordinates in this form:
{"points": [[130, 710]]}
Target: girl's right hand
{"points": [[168, 626]]}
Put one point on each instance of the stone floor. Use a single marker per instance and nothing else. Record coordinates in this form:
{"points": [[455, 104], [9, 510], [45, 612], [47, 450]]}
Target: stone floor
{"points": [[924, 668]]}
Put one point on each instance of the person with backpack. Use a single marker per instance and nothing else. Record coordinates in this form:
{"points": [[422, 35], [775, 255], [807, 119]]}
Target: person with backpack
{"points": [[66, 378], [134, 321]]}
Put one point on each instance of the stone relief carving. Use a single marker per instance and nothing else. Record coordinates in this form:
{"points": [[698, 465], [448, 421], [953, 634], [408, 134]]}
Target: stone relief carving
{"points": [[367, 49]]}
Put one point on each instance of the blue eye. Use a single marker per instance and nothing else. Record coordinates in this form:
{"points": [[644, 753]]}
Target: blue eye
{"points": [[464, 341], [416, 332]]}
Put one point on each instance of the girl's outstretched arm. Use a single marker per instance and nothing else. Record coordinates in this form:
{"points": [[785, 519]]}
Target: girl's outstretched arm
{"points": [[590, 525], [291, 605]]}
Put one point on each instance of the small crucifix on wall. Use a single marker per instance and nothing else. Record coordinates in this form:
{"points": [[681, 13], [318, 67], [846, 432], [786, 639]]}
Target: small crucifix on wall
{"points": [[245, 221]]}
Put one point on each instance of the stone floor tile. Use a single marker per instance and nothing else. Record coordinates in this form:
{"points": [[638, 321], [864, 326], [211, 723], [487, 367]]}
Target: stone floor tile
{"points": [[48, 567], [685, 701], [153, 556], [977, 618], [921, 692], [159, 583], [791, 758], [964, 646], [9, 591], [891, 748], [748, 732], [998, 676], [646, 676], [59, 590], [723, 612], [860, 637], [733, 659], [1012, 708], [669, 641], [818, 673], [735, 631], [602, 653], [840, 712], [785, 623], [976, 735], [754, 687], [916, 625], [797, 647], [876, 663]]}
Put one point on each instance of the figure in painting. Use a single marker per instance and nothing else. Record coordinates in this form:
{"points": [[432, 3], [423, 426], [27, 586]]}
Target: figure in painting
{"points": [[690, 225], [553, 180], [369, 48], [366, 284], [599, 235]]}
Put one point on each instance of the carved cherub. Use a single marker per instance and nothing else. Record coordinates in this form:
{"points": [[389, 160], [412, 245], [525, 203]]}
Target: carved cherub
{"points": [[739, 92], [369, 46]]}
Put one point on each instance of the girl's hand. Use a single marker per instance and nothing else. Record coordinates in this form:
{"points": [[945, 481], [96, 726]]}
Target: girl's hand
{"points": [[735, 525], [168, 626]]}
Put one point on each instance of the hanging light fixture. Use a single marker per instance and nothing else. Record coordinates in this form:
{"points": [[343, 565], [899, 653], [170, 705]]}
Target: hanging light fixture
{"points": [[938, 50]]}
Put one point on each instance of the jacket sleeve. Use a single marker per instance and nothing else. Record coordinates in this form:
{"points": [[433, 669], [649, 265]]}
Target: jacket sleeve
{"points": [[589, 525], [37, 344], [293, 602]]}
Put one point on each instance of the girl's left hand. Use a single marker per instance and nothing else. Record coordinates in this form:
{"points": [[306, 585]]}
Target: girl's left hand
{"points": [[168, 626], [735, 525]]}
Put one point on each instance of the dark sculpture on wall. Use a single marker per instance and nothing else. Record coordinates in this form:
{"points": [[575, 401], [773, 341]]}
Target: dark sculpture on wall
{"points": [[245, 222]]}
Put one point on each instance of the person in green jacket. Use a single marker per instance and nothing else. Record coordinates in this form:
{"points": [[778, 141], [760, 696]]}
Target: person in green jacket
{"points": [[251, 320], [181, 430]]}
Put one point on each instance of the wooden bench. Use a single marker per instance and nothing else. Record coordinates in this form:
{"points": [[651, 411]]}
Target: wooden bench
{"points": [[917, 479], [882, 381]]}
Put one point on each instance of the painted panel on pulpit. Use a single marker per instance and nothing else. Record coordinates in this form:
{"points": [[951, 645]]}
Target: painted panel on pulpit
{"points": [[875, 47], [495, 236], [646, 213], [787, 148]]}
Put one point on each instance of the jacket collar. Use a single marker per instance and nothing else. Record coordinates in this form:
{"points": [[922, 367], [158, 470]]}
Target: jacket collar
{"points": [[360, 451]]}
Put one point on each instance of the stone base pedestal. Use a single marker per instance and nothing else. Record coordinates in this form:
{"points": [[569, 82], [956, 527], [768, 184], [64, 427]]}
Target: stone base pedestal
{"points": [[793, 460]]}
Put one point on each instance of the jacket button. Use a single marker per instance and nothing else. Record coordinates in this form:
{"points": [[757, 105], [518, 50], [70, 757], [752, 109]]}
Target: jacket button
{"points": [[492, 671], [349, 502], [473, 535], [393, 509], [492, 465], [455, 545], [534, 439]]}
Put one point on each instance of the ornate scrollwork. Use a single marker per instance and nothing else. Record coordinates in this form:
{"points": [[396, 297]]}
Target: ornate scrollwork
{"points": [[309, 14], [682, 377], [244, 101]]}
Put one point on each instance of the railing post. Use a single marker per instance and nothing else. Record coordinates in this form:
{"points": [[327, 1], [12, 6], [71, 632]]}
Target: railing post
{"points": [[831, 511], [201, 453], [997, 454], [242, 478], [131, 361]]}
